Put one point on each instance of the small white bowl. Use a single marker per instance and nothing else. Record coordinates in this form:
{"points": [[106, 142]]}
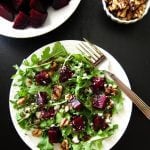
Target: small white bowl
{"points": [[109, 14]]}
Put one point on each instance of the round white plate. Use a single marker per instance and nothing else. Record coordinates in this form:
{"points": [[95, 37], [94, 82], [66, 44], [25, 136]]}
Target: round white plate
{"points": [[122, 118], [55, 19]]}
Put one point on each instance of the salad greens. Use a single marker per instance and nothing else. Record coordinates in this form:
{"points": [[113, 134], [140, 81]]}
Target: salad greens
{"points": [[62, 98]]}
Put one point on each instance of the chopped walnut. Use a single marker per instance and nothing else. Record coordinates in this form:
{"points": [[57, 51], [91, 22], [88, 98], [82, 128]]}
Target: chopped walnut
{"points": [[64, 145], [64, 122], [57, 91], [110, 90], [68, 97], [126, 9], [21, 101], [37, 132]]}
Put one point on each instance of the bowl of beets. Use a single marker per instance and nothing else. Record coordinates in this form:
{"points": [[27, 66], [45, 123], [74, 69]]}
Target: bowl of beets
{"points": [[28, 13]]}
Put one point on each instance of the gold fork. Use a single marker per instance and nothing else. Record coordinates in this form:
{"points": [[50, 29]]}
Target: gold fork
{"points": [[96, 57]]}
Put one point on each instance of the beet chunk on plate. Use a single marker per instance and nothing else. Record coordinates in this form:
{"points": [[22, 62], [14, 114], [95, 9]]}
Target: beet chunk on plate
{"points": [[37, 18], [6, 12], [100, 101], [99, 123], [41, 98], [21, 21], [39, 5], [57, 4], [54, 135], [17, 4]]}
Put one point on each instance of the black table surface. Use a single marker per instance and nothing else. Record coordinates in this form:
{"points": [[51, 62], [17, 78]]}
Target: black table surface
{"points": [[129, 44]]}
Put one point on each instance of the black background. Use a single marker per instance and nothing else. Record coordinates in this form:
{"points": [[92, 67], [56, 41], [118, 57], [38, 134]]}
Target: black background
{"points": [[129, 44]]}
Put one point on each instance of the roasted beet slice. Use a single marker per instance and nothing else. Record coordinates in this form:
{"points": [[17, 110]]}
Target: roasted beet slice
{"points": [[41, 98], [78, 123], [97, 84], [17, 4], [42, 77], [46, 114], [57, 4], [39, 5], [54, 135], [100, 101], [21, 21], [76, 104], [37, 18], [65, 73], [99, 123], [6, 12]]}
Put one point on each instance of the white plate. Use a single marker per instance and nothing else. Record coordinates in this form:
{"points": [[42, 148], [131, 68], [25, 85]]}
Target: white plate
{"points": [[122, 119], [55, 19]]}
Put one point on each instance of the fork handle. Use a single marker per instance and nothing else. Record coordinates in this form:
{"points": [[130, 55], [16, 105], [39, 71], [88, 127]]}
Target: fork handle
{"points": [[133, 96]]}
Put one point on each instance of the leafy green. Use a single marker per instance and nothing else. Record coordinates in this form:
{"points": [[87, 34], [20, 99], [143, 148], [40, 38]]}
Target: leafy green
{"points": [[34, 59], [58, 51], [46, 54], [45, 144]]}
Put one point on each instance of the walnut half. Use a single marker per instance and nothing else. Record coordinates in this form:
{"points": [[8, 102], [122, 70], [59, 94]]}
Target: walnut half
{"points": [[57, 91]]}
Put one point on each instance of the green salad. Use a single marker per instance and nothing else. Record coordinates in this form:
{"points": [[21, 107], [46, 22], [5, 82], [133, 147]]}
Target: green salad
{"points": [[65, 101]]}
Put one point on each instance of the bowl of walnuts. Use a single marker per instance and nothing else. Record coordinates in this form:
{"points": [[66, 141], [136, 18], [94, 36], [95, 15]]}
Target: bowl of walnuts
{"points": [[126, 11]]}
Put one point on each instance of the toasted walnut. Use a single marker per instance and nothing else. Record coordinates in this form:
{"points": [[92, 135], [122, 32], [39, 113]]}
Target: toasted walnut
{"points": [[53, 65], [64, 122], [110, 90], [37, 132], [21, 101], [57, 91], [65, 145], [127, 9], [68, 97]]}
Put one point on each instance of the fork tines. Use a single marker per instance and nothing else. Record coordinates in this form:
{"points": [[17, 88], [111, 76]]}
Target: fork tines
{"points": [[92, 52]]}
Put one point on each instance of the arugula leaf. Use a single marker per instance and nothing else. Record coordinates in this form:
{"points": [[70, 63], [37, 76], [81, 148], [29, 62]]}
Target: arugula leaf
{"points": [[46, 54], [45, 144], [34, 59], [58, 51]]}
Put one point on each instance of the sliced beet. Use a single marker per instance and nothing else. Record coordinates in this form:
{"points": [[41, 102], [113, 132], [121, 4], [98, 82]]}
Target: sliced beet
{"points": [[57, 4], [54, 135], [17, 4], [39, 5], [42, 77], [78, 123], [46, 114], [100, 101], [76, 104], [97, 84], [21, 21], [41, 98], [65, 73], [37, 18], [6, 12], [99, 123]]}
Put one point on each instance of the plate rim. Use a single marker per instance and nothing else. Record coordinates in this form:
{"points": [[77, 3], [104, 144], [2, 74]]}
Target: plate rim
{"points": [[13, 119]]}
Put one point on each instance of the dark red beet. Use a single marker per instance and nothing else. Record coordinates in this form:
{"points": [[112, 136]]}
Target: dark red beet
{"points": [[46, 114], [76, 104], [37, 18], [99, 123], [17, 4], [54, 135], [41, 98], [100, 101], [6, 12], [57, 4], [21, 21], [97, 84], [42, 78], [78, 123], [65, 73], [39, 5]]}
